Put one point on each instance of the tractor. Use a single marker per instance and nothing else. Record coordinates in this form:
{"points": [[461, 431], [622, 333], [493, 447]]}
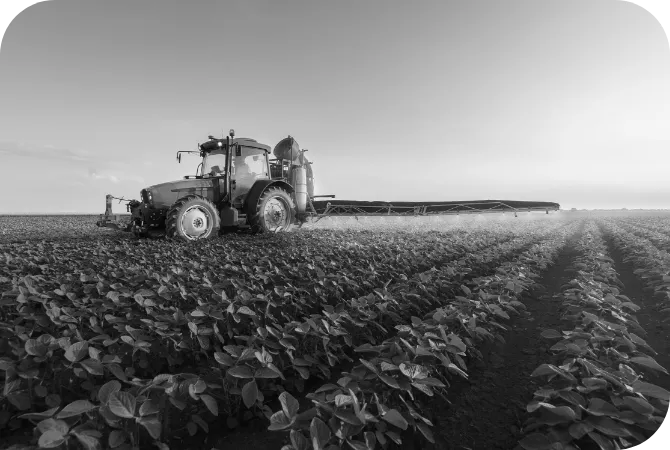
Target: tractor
{"points": [[237, 186]]}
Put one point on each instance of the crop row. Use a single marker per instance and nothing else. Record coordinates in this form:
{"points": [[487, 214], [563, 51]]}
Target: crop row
{"points": [[659, 224], [68, 335], [299, 258], [33, 228], [659, 239], [594, 389], [384, 393], [652, 265], [15, 229]]}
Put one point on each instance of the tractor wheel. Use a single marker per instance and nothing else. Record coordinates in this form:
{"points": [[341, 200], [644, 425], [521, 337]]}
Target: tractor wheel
{"points": [[274, 213], [192, 218]]}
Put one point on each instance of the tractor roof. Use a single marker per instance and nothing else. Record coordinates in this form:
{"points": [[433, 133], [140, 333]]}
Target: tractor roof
{"points": [[245, 142]]}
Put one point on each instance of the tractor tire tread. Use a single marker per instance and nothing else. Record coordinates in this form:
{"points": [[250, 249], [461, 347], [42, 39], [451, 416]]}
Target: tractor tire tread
{"points": [[255, 221], [171, 231]]}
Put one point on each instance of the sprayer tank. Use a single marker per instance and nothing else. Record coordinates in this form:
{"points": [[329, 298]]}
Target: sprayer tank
{"points": [[287, 149], [299, 182]]}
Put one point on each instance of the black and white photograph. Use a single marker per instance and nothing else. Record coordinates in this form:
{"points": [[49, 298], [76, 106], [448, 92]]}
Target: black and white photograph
{"points": [[342, 225]]}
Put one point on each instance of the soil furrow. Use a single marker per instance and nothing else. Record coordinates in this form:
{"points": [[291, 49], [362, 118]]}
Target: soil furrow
{"points": [[486, 411], [657, 332]]}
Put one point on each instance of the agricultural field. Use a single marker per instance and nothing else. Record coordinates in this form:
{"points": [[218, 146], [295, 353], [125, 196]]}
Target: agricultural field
{"points": [[537, 332]]}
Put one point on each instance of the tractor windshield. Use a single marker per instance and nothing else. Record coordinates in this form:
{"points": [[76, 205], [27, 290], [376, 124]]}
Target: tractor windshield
{"points": [[214, 163]]}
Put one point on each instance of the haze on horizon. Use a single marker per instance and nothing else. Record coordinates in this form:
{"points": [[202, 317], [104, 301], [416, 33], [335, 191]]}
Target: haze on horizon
{"points": [[563, 101]]}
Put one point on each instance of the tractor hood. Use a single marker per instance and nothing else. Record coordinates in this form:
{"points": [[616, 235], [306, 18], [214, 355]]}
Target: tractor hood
{"points": [[165, 194]]}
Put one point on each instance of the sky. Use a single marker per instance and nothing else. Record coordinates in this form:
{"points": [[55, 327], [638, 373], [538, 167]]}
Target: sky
{"points": [[563, 101]]}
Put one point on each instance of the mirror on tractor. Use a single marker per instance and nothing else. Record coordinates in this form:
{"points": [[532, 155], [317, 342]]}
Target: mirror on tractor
{"points": [[185, 151]]}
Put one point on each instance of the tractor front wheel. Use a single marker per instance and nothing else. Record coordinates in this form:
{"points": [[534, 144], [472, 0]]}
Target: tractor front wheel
{"points": [[275, 212], [192, 218]]}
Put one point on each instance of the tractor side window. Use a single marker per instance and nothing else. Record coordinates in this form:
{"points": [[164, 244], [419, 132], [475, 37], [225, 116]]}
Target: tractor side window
{"points": [[252, 162], [257, 164]]}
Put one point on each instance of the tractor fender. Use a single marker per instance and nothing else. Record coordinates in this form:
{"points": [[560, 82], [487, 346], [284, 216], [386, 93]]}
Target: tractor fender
{"points": [[257, 190]]}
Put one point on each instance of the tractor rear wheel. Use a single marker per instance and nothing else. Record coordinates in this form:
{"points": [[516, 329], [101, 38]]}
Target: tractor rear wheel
{"points": [[192, 218], [275, 212]]}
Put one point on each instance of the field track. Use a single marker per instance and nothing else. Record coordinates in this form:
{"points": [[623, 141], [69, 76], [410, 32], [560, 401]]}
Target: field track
{"points": [[444, 334]]}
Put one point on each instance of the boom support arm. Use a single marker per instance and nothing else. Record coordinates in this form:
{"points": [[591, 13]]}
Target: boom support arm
{"points": [[329, 208]]}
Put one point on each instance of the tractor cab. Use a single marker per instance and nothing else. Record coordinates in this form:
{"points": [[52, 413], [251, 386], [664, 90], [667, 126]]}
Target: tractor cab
{"points": [[244, 159], [241, 152]]}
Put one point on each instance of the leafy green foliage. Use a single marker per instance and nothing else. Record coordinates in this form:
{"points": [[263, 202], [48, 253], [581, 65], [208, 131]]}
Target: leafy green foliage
{"points": [[647, 246], [121, 343], [421, 346], [594, 392]]}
